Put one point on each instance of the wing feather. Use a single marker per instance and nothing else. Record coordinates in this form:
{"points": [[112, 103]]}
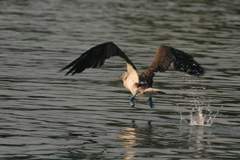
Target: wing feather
{"points": [[95, 58], [168, 58]]}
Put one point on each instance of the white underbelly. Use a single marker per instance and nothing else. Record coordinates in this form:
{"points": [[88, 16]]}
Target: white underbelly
{"points": [[130, 85]]}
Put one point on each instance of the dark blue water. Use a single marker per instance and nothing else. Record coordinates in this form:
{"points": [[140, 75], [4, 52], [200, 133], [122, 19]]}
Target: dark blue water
{"points": [[45, 115]]}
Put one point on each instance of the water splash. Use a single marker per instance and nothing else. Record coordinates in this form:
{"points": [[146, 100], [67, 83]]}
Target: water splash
{"points": [[200, 114]]}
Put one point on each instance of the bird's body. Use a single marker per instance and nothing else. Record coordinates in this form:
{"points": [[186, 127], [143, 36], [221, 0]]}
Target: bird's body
{"points": [[131, 82], [166, 58], [130, 79]]}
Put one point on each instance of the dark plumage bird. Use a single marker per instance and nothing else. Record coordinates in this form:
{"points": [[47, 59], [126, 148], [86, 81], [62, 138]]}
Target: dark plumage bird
{"points": [[166, 58]]}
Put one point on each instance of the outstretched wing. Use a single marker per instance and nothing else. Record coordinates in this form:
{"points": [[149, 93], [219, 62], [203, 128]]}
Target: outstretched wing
{"points": [[168, 58], [95, 58]]}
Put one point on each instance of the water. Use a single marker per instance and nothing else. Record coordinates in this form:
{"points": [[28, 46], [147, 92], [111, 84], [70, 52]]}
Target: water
{"points": [[45, 115], [200, 115]]}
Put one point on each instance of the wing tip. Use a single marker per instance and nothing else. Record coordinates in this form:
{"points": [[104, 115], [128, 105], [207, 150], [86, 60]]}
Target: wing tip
{"points": [[64, 68], [67, 73], [95, 58], [196, 70]]}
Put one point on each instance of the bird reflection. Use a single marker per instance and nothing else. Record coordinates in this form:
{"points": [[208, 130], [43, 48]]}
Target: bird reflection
{"points": [[128, 137], [131, 137], [199, 141]]}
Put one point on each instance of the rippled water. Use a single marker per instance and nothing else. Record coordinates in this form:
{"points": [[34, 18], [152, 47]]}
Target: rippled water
{"points": [[45, 115]]}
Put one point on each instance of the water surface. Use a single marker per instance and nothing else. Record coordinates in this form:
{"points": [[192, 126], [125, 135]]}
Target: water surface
{"points": [[45, 115]]}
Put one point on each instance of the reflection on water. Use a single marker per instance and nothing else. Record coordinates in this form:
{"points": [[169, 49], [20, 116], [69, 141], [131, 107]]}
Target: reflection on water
{"points": [[128, 138], [193, 141], [199, 138]]}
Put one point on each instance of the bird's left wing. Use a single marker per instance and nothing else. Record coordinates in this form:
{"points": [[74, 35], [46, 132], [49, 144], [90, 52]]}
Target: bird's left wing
{"points": [[169, 58], [95, 58]]}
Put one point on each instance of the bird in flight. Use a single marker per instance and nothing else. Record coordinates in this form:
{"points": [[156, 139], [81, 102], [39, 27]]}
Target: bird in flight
{"points": [[165, 58]]}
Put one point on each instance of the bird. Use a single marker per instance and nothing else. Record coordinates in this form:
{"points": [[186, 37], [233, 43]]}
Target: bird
{"points": [[138, 83]]}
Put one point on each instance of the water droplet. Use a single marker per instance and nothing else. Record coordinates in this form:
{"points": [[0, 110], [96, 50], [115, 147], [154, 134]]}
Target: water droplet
{"points": [[201, 114]]}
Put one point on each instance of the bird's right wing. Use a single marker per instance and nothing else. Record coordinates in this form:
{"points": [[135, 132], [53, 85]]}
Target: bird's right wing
{"points": [[95, 58]]}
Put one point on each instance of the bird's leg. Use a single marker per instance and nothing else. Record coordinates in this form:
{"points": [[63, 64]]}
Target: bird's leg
{"points": [[150, 102], [132, 100]]}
